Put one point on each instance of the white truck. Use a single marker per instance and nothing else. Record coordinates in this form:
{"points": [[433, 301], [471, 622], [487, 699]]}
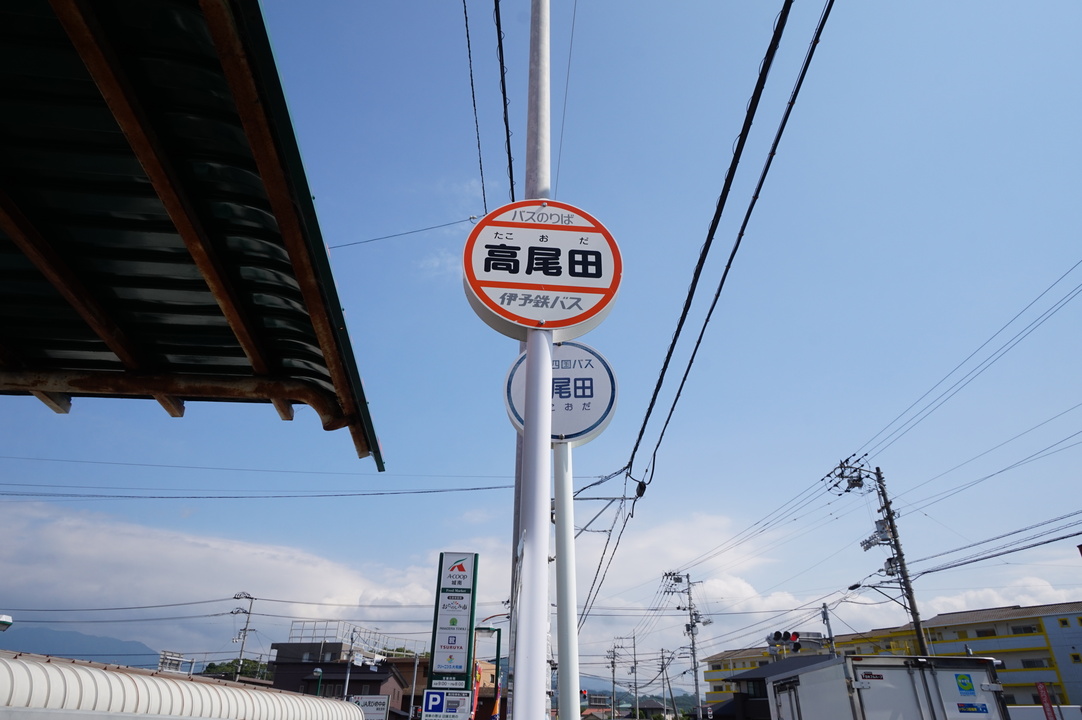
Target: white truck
{"points": [[888, 687]]}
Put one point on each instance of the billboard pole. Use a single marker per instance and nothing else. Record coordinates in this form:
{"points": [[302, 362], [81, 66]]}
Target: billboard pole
{"points": [[531, 618], [566, 591]]}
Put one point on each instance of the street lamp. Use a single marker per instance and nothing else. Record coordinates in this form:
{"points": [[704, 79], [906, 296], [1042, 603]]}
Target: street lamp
{"points": [[318, 672], [5, 622]]}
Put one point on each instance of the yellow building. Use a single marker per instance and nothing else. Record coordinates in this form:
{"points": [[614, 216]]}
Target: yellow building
{"points": [[1036, 644]]}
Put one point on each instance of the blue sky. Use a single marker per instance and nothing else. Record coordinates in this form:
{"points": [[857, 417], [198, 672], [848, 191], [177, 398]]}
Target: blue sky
{"points": [[925, 193]]}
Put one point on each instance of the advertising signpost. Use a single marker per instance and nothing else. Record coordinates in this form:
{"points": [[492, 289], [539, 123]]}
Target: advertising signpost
{"points": [[452, 627], [374, 706], [446, 705]]}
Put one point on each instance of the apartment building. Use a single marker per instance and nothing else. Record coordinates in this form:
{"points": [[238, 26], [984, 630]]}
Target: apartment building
{"points": [[1036, 644]]}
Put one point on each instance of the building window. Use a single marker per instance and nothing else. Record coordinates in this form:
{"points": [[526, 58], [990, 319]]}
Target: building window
{"points": [[986, 632], [1034, 663], [1009, 700], [1075, 657], [306, 657], [962, 635], [1064, 622], [1026, 629]]}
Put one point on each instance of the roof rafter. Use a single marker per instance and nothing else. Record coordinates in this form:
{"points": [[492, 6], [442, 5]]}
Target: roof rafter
{"points": [[239, 75], [93, 47]]}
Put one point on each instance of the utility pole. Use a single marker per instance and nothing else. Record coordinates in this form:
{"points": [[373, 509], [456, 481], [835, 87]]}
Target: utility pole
{"points": [[349, 664], [612, 664], [667, 680], [830, 633], [899, 557], [853, 477], [244, 632], [691, 629], [634, 672]]}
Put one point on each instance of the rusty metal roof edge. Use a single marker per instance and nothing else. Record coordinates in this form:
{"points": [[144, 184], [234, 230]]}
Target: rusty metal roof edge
{"points": [[248, 16]]}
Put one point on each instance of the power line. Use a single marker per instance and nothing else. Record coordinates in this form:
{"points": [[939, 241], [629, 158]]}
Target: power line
{"points": [[116, 609], [749, 116], [216, 468], [506, 100], [473, 96], [299, 495], [1000, 537], [471, 218], [950, 392], [990, 556], [750, 209], [563, 112]]}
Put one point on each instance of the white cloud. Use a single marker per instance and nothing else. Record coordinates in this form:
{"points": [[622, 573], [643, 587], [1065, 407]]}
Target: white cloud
{"points": [[59, 558]]}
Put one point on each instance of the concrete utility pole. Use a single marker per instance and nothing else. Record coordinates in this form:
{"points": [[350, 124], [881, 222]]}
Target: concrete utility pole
{"points": [[349, 663], [243, 633], [899, 558], [830, 633], [691, 629], [634, 673], [853, 477], [612, 664]]}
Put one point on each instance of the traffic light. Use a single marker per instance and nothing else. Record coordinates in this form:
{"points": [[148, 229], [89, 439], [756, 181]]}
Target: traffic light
{"points": [[787, 639]]}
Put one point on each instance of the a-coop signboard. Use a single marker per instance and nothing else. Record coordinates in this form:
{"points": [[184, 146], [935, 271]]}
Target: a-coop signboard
{"points": [[541, 264], [452, 628]]}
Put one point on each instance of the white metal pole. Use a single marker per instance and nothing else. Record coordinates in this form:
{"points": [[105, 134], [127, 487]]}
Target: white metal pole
{"points": [[538, 116], [566, 592], [530, 636], [531, 661]]}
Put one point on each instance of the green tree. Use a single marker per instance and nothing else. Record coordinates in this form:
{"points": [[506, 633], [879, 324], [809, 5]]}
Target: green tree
{"points": [[248, 668]]}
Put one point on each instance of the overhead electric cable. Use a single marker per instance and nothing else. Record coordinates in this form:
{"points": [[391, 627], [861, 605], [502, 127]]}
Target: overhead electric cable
{"points": [[991, 449], [883, 444], [563, 112], [268, 496], [473, 96], [122, 620], [604, 563], [753, 103], [1033, 457], [1000, 537], [749, 116], [991, 555], [222, 468], [471, 218], [506, 101], [743, 226], [118, 609]]}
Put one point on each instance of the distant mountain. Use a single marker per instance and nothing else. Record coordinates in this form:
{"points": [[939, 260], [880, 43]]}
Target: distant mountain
{"points": [[76, 645]]}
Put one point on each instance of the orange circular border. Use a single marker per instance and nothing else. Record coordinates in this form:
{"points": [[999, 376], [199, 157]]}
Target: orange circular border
{"points": [[475, 285]]}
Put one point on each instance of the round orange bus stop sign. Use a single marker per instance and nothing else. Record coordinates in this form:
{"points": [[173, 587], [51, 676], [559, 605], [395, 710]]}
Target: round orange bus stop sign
{"points": [[541, 264]]}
